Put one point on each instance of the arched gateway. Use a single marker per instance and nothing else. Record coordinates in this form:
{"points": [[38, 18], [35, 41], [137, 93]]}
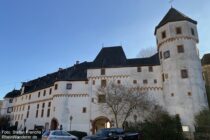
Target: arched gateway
{"points": [[54, 124], [100, 122]]}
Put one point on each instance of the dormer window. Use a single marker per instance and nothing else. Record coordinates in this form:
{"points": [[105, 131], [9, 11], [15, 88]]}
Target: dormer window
{"points": [[178, 30], [163, 34], [69, 86]]}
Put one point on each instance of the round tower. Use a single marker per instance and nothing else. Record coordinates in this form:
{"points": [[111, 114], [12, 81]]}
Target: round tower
{"points": [[183, 85]]}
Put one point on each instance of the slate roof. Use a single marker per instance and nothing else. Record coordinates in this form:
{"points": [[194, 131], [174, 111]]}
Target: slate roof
{"points": [[12, 94], [206, 59], [174, 15], [109, 57]]}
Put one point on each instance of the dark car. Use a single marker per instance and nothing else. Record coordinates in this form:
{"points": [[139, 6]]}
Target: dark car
{"points": [[113, 134]]}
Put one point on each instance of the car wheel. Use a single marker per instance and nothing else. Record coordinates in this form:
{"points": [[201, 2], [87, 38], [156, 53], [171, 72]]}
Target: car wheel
{"points": [[120, 138]]}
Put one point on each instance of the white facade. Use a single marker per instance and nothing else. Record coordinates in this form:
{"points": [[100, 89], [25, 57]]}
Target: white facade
{"points": [[184, 96]]}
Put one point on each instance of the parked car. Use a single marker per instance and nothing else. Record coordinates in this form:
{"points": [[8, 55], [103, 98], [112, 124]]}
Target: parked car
{"points": [[113, 134], [58, 135]]}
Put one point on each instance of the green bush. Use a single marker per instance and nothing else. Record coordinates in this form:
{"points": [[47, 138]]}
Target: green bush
{"points": [[78, 134], [161, 127]]}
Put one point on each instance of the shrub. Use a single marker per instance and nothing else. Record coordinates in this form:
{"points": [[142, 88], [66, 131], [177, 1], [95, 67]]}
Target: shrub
{"points": [[78, 134], [161, 126]]}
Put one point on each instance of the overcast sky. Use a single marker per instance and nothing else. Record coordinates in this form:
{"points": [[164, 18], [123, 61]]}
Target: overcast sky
{"points": [[39, 36]]}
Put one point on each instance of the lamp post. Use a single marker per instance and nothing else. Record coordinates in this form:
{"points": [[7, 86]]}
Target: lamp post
{"points": [[24, 124], [71, 118]]}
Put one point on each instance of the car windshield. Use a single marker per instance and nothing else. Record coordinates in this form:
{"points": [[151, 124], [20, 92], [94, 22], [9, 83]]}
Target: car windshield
{"points": [[64, 133], [47, 133]]}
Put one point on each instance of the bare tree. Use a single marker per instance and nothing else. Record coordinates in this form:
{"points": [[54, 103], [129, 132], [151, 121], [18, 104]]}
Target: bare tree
{"points": [[121, 101], [147, 52]]}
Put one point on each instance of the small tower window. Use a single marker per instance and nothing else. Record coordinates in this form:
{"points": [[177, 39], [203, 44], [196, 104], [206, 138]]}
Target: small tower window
{"points": [[155, 81], [189, 93], [118, 81], [178, 30], [180, 48], [163, 34], [84, 110], [184, 73], [145, 81], [103, 83], [103, 71], [134, 81], [163, 78], [172, 94], [166, 54], [138, 69], [192, 31]]}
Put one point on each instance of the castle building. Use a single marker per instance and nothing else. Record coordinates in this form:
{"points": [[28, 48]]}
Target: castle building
{"points": [[173, 76]]}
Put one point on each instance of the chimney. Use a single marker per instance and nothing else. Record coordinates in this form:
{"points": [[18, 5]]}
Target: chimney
{"points": [[60, 69]]}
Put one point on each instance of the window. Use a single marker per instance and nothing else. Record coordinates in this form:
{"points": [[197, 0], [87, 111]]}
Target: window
{"points": [[118, 81], [49, 104], [163, 78], [22, 117], [42, 114], [27, 114], [56, 86], [138, 69], [102, 71], [86, 82], [48, 112], [44, 93], [166, 54], [29, 107], [166, 75], [94, 82], [101, 98], [37, 113], [103, 83], [38, 94], [43, 105], [189, 93], [145, 81], [84, 110], [50, 91], [172, 94], [161, 55], [178, 30], [192, 31], [26, 96], [10, 100], [92, 99], [155, 81], [184, 73], [150, 69], [163, 34], [23, 108], [134, 81], [29, 97], [9, 109], [180, 48], [37, 106], [69, 86]]}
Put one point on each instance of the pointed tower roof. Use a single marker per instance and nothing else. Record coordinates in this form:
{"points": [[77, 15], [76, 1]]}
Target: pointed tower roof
{"points": [[174, 15]]}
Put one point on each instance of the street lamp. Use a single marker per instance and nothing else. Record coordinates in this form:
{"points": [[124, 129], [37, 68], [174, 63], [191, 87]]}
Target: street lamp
{"points": [[24, 124], [71, 118]]}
